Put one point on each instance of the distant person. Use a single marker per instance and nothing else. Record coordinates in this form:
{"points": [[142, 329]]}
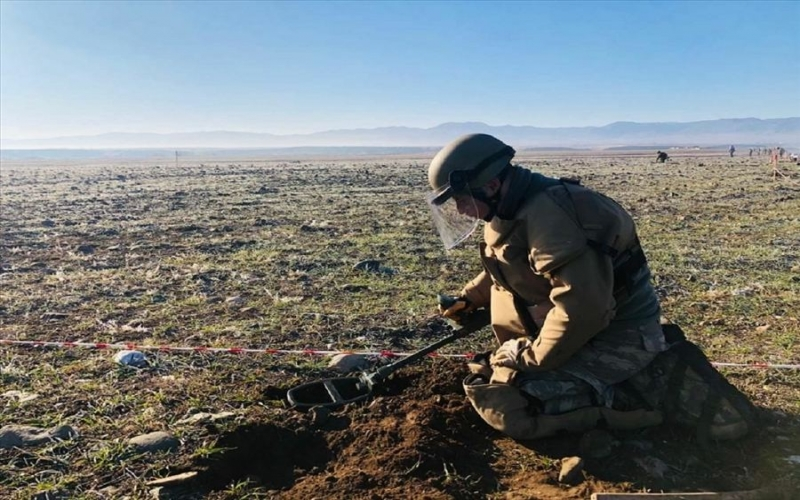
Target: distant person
{"points": [[751, 152], [781, 152], [731, 150], [662, 157], [572, 306]]}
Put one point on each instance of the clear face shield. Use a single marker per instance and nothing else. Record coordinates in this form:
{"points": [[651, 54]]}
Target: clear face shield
{"points": [[455, 216]]}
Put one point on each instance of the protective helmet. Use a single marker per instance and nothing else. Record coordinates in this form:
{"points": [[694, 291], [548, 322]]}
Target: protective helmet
{"points": [[459, 170], [468, 163]]}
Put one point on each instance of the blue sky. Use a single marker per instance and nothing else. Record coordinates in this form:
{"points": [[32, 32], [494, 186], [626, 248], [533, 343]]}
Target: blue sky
{"points": [[83, 68]]}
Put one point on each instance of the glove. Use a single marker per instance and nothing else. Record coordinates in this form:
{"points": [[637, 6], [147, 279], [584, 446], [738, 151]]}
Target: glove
{"points": [[510, 353], [455, 308], [479, 364]]}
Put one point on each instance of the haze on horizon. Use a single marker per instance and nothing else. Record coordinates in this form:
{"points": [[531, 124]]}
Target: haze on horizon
{"points": [[88, 68]]}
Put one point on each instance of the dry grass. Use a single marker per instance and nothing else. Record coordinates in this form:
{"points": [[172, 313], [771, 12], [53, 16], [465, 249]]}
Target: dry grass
{"points": [[260, 254]]}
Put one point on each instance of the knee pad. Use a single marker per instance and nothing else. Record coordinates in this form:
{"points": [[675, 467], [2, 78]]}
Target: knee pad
{"points": [[508, 410]]}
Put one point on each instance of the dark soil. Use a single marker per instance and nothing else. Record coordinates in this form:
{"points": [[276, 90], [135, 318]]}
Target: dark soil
{"points": [[418, 437]]}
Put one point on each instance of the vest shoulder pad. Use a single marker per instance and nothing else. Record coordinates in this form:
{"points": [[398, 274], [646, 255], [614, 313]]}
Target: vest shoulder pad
{"points": [[554, 236]]}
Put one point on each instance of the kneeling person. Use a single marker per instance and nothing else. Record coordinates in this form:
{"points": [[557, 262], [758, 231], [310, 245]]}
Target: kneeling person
{"points": [[568, 287]]}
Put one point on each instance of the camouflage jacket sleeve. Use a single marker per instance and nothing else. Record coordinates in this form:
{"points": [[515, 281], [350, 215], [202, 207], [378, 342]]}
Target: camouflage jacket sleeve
{"points": [[478, 291]]}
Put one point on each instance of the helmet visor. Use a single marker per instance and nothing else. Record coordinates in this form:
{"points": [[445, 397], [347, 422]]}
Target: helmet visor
{"points": [[451, 216]]}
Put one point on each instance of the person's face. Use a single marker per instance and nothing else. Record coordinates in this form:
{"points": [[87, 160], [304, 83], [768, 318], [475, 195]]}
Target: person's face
{"points": [[472, 207], [469, 206]]}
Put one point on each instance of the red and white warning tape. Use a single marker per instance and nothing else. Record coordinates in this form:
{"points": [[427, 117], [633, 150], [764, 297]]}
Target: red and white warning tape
{"points": [[228, 350], [311, 352]]}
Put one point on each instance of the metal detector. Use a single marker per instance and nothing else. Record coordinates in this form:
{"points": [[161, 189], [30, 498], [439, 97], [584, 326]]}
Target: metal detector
{"points": [[336, 392]]}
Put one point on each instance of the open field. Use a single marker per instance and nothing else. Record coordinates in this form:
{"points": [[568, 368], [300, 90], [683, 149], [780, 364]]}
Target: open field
{"points": [[261, 254]]}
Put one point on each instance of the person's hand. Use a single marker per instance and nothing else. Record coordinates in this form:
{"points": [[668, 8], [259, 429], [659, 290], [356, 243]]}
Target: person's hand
{"points": [[454, 308], [509, 354]]}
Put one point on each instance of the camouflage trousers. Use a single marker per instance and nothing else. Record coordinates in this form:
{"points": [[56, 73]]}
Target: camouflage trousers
{"points": [[588, 378]]}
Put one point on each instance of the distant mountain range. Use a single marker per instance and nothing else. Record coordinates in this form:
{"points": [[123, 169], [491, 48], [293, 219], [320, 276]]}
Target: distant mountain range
{"points": [[742, 131]]}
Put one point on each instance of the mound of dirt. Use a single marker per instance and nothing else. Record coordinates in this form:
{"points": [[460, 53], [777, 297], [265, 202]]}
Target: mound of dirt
{"points": [[418, 437]]}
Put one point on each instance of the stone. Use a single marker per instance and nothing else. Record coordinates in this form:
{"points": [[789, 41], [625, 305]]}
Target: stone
{"points": [[21, 436], [50, 315], [205, 417], [571, 471], [374, 266], [154, 441], [346, 363], [86, 249], [371, 265], [135, 359]]}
